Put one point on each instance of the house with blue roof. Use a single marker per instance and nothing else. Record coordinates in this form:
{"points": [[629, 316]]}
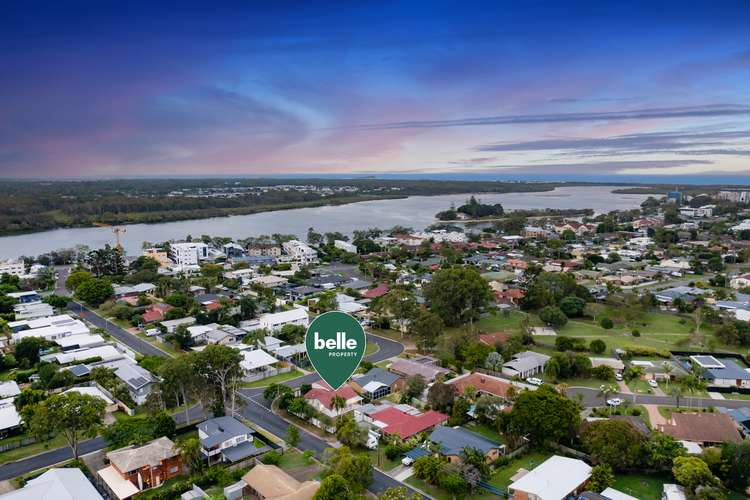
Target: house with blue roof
{"points": [[453, 440]]}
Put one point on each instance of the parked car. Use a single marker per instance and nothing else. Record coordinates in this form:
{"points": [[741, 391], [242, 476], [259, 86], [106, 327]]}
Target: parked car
{"points": [[614, 402], [407, 461], [534, 381], [653, 383], [618, 376]]}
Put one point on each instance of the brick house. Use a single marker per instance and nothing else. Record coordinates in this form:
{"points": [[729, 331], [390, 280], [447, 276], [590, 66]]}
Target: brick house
{"points": [[133, 469]]}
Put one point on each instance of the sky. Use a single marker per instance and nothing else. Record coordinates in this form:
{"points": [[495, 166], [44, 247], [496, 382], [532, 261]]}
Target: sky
{"points": [[553, 89]]}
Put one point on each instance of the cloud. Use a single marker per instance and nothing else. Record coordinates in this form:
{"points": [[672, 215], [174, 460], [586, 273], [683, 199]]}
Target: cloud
{"points": [[707, 111], [592, 168]]}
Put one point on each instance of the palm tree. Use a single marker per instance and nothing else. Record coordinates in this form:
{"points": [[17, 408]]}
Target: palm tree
{"points": [[668, 369], [338, 403], [606, 390], [676, 391]]}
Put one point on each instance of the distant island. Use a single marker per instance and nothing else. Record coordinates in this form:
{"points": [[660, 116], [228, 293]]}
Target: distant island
{"points": [[31, 206]]}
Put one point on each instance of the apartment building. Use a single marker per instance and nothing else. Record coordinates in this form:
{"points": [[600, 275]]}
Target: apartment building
{"points": [[188, 254], [300, 252]]}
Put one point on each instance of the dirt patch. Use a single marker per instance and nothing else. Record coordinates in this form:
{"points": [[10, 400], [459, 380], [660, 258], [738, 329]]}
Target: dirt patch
{"points": [[305, 473]]}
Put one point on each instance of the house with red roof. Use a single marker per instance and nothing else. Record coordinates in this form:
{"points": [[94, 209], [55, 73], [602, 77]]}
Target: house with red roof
{"points": [[492, 339], [321, 397], [374, 293], [481, 383], [156, 312], [511, 296], [392, 420]]}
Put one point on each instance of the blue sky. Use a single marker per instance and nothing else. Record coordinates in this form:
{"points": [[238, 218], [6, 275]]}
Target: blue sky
{"points": [[582, 89]]}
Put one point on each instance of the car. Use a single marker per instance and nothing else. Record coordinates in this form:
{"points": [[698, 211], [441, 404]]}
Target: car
{"points": [[614, 402], [618, 376], [534, 381], [407, 461], [653, 383]]}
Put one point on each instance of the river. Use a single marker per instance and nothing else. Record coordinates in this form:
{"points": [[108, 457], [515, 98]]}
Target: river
{"points": [[415, 211]]}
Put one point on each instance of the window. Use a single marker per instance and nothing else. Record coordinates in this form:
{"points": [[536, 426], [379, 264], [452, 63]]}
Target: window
{"points": [[173, 469]]}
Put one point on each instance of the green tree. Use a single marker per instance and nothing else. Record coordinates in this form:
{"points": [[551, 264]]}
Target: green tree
{"points": [[662, 449], [426, 327], [545, 415], [356, 469], [292, 436], [457, 294], [190, 451], [178, 377], [334, 487], [76, 278], [350, 433], [692, 472], [219, 366], [398, 493], [27, 351], [428, 468], [572, 306], [602, 478], [597, 346], [415, 386], [95, 291], [553, 316], [71, 414], [440, 396], [735, 464], [613, 442]]}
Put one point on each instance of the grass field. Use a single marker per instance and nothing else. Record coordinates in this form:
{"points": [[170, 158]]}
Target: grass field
{"points": [[30, 450], [276, 379], [642, 485], [372, 348]]}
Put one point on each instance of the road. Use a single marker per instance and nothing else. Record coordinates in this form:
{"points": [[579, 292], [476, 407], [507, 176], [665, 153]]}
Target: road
{"points": [[593, 397], [133, 341], [256, 410], [13, 469]]}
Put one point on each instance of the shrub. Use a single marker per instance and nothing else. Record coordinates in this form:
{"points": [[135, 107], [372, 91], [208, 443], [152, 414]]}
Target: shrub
{"points": [[272, 458], [606, 323], [597, 346]]}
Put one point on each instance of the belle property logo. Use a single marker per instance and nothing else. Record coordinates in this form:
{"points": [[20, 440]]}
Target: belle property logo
{"points": [[335, 344]]}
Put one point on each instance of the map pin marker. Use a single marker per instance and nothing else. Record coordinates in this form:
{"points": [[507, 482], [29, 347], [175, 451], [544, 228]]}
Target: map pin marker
{"points": [[335, 344]]}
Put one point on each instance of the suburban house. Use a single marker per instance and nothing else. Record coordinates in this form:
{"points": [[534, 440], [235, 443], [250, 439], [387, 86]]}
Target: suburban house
{"points": [[225, 439], [377, 383], [268, 482], [257, 364], [453, 440], [525, 364], [171, 325], [483, 384], [156, 312], [133, 469], [10, 420], [706, 429], [407, 368], [374, 293], [556, 478], [393, 420], [723, 372], [139, 381], [133, 290], [321, 397], [276, 321], [56, 484]]}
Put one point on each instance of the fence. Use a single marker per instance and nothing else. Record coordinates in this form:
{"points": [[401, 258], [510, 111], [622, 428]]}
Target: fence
{"points": [[12, 445], [270, 372]]}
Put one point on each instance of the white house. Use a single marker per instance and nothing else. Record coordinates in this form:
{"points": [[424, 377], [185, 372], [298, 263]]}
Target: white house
{"points": [[525, 364], [58, 484], [257, 364], [554, 479], [345, 246], [276, 321], [76, 327], [13, 267]]}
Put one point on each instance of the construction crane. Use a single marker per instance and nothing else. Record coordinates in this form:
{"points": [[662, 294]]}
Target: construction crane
{"points": [[117, 230]]}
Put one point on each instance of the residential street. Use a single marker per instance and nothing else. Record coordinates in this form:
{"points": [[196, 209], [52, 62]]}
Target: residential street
{"points": [[592, 397]]}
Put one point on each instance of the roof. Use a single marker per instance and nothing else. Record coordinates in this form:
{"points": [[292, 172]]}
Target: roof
{"points": [[377, 375], [151, 454], [410, 368], [494, 338], [9, 389], [133, 375], [482, 383], [702, 428], [525, 361], [730, 370], [374, 293], [221, 429], [325, 396], [9, 417], [56, 484], [613, 494], [273, 483], [91, 391], [258, 358], [121, 487], [405, 425], [453, 440], [554, 478]]}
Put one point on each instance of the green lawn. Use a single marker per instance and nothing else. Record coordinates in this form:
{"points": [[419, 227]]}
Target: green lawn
{"points": [[642, 485], [372, 348], [501, 478], [485, 430], [32, 449], [382, 462], [505, 322], [293, 459], [276, 379]]}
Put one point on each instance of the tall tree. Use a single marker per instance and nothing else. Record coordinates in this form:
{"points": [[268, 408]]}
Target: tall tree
{"points": [[71, 414], [457, 295], [219, 366]]}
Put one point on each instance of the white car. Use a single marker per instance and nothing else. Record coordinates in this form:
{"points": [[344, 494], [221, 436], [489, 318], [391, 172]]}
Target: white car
{"points": [[618, 376], [534, 381], [614, 402], [653, 383], [407, 461]]}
